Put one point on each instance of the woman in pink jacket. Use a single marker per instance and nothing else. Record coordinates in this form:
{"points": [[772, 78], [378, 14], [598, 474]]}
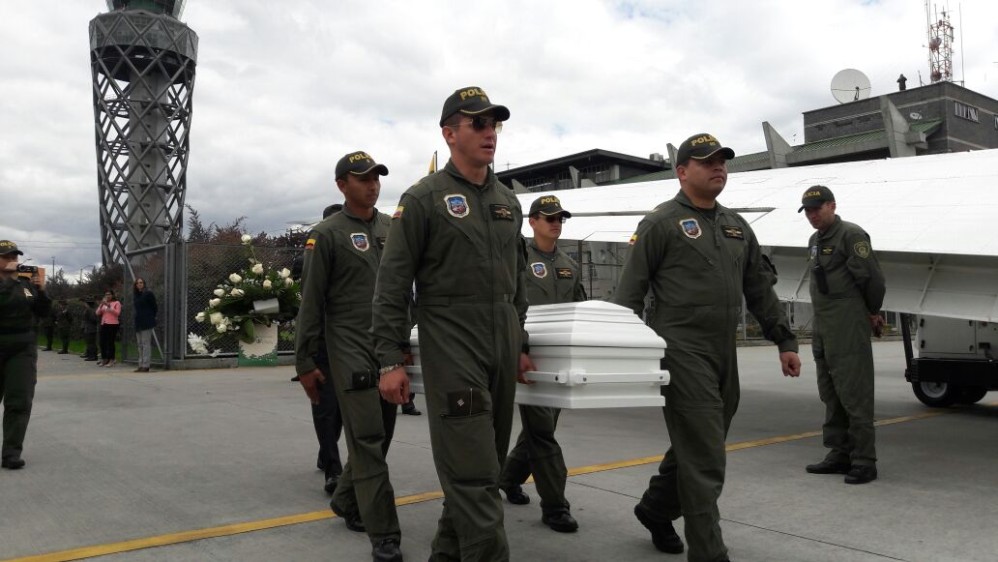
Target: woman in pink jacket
{"points": [[108, 313]]}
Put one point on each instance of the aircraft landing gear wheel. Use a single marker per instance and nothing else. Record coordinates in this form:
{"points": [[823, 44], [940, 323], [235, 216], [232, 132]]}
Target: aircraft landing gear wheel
{"points": [[936, 394], [971, 394]]}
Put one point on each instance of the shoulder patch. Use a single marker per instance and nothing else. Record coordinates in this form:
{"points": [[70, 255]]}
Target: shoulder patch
{"points": [[633, 240], [310, 244], [862, 249], [539, 269], [691, 228], [457, 205], [359, 241], [398, 212]]}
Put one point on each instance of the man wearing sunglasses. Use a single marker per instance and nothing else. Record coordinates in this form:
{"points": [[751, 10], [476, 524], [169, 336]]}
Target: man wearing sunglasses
{"points": [[456, 233], [341, 261], [552, 277], [699, 259]]}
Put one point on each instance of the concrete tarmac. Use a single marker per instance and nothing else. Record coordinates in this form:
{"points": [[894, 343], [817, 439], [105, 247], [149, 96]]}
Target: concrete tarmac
{"points": [[220, 465]]}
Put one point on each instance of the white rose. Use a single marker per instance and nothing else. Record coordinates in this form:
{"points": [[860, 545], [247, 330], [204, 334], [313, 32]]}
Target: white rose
{"points": [[258, 268], [288, 282], [246, 238], [267, 284], [199, 316], [235, 278], [221, 328], [216, 318], [284, 273], [237, 292], [219, 292], [214, 302]]}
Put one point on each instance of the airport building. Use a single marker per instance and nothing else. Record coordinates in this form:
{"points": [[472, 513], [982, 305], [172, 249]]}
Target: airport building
{"points": [[936, 118]]}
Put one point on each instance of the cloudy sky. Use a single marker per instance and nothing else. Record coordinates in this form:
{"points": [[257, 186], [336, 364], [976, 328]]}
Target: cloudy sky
{"points": [[283, 89]]}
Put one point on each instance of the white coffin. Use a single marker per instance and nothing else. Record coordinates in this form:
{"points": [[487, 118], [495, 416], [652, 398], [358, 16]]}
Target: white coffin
{"points": [[589, 354]]}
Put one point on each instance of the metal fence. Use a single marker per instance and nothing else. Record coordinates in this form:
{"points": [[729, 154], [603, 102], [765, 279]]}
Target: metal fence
{"points": [[207, 265]]}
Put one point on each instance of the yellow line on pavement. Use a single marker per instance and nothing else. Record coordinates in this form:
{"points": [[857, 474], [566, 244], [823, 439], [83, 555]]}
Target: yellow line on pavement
{"points": [[263, 524]]}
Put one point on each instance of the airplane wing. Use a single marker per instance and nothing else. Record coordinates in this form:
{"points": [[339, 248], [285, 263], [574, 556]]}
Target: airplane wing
{"points": [[931, 220]]}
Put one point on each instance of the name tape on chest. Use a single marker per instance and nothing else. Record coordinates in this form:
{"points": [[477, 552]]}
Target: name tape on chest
{"points": [[501, 212], [733, 232]]}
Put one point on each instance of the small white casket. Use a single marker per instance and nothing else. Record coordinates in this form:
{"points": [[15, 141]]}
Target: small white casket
{"points": [[591, 354]]}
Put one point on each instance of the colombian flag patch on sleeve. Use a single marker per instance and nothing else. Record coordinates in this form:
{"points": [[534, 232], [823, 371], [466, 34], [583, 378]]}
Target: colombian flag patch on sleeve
{"points": [[310, 243], [398, 212], [634, 238]]}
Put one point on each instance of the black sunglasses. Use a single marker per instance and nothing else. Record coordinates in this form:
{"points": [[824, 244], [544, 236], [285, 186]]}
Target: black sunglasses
{"points": [[554, 218], [479, 123]]}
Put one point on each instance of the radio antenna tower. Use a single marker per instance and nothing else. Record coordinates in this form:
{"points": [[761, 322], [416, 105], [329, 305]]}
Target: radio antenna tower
{"points": [[142, 59], [940, 46]]}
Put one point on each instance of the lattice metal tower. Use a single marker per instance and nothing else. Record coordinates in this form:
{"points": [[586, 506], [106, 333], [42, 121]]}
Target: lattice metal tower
{"points": [[142, 59], [940, 47]]}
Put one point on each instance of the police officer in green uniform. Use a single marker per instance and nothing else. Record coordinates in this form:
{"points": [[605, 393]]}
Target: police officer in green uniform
{"points": [[552, 277], [847, 290], [21, 302], [456, 233], [700, 260], [340, 266]]}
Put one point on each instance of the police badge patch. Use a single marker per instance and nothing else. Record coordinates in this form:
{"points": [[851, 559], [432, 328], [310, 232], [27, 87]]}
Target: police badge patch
{"points": [[540, 269], [457, 205], [359, 240], [862, 249], [691, 228]]}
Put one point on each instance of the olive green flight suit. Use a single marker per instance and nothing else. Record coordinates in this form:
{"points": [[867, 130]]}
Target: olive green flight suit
{"points": [[461, 244], [846, 287], [341, 264], [551, 279], [20, 304], [699, 264]]}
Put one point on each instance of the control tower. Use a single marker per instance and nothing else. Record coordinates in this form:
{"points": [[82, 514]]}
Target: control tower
{"points": [[142, 59]]}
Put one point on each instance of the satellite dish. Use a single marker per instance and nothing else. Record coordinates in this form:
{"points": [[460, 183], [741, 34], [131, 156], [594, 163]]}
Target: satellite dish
{"points": [[850, 85]]}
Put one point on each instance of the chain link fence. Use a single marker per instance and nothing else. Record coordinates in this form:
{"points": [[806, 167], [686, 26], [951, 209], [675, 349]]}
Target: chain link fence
{"points": [[206, 266]]}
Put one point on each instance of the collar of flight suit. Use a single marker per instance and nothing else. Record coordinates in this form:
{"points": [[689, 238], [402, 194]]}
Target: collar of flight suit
{"points": [[346, 211], [490, 177]]}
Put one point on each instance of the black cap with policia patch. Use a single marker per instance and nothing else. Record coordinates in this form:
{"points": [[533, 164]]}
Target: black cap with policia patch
{"points": [[471, 101], [815, 196], [548, 205], [701, 147], [358, 163], [8, 247]]}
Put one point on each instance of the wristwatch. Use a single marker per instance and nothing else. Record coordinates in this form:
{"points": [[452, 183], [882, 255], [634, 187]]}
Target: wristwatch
{"points": [[385, 370]]}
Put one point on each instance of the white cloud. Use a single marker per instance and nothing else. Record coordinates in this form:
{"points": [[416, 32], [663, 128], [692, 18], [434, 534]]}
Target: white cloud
{"points": [[284, 89]]}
